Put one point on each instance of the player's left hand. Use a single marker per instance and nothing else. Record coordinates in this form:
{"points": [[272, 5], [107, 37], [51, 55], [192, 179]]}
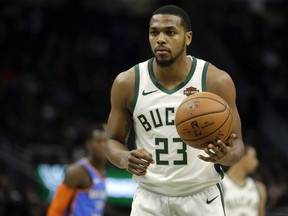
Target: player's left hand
{"points": [[216, 153]]}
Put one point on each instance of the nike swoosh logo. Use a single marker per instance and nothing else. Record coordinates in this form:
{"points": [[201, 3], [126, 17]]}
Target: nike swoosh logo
{"points": [[146, 93], [210, 201]]}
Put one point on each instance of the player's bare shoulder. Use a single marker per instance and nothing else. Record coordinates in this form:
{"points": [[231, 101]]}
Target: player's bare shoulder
{"points": [[262, 189], [216, 76], [74, 174], [123, 85], [221, 83], [126, 77]]}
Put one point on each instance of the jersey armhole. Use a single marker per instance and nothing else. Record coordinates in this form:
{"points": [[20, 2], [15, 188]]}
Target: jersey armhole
{"points": [[219, 170], [136, 88], [204, 76]]}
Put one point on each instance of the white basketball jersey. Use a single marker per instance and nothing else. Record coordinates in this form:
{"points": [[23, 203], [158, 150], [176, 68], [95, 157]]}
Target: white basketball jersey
{"points": [[177, 170], [240, 201]]}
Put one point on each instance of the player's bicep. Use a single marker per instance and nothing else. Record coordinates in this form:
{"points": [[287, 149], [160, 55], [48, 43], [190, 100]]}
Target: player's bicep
{"points": [[219, 82], [74, 176], [61, 200], [119, 125], [229, 94], [263, 197], [120, 119]]}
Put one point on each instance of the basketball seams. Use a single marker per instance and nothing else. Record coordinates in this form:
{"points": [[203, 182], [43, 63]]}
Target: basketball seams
{"points": [[220, 100], [209, 98], [188, 99], [230, 126], [202, 118], [214, 112], [220, 126], [219, 111]]}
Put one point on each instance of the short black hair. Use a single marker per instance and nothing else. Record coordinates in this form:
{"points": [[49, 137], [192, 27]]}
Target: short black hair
{"points": [[90, 130], [177, 11]]}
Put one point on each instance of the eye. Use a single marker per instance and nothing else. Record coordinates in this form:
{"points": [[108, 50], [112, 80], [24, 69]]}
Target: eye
{"points": [[170, 33], [153, 32]]}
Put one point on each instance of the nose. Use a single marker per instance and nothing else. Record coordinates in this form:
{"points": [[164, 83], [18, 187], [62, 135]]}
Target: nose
{"points": [[161, 39]]}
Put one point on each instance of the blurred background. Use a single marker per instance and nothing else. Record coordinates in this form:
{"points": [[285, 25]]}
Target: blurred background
{"points": [[58, 59]]}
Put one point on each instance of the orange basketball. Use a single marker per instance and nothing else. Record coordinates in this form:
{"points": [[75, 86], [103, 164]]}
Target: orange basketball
{"points": [[203, 118]]}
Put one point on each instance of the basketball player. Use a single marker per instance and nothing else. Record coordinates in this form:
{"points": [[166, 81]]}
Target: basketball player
{"points": [[174, 179], [83, 191], [244, 196]]}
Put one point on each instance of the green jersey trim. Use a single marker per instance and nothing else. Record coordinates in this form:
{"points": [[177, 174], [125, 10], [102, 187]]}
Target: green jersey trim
{"points": [[204, 76], [181, 85], [218, 168], [136, 88], [222, 197]]}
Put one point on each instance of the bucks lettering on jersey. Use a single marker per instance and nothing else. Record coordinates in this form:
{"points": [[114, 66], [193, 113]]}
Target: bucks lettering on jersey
{"points": [[240, 201], [177, 170]]}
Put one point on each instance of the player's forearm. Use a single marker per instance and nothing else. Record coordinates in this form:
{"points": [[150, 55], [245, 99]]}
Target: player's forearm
{"points": [[235, 154], [61, 200], [117, 153]]}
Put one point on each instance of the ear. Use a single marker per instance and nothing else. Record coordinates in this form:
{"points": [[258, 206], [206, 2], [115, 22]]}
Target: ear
{"points": [[88, 145], [189, 38]]}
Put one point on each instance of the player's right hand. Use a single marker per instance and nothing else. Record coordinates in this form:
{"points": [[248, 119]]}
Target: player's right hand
{"points": [[138, 161], [229, 141]]}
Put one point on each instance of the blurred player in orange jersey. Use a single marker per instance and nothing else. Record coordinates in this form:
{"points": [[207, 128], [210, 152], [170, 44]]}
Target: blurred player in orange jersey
{"points": [[244, 196], [83, 191]]}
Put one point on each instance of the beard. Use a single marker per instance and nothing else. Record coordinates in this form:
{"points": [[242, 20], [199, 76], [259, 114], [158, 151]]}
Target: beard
{"points": [[167, 63]]}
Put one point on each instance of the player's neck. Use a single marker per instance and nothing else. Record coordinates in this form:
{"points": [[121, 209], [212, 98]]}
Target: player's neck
{"points": [[174, 74], [98, 164], [238, 176]]}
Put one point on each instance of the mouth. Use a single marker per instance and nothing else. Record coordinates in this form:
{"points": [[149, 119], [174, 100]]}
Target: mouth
{"points": [[162, 50]]}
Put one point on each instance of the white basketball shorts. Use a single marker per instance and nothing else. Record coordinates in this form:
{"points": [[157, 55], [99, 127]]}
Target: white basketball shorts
{"points": [[208, 202]]}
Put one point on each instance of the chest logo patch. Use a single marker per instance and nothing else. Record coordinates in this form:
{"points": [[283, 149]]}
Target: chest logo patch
{"points": [[190, 90]]}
